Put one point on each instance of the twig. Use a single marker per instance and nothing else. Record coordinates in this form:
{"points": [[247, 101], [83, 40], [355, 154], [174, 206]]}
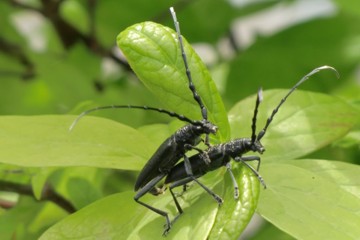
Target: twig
{"points": [[48, 194]]}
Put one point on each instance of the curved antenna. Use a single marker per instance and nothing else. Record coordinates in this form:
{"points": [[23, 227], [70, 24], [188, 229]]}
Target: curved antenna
{"points": [[306, 77], [259, 99], [171, 114], [188, 73]]}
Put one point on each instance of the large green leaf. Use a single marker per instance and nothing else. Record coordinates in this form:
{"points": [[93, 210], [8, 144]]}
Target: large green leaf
{"points": [[309, 203], [133, 221], [154, 54], [40, 141], [344, 175], [234, 215], [68, 182], [306, 122], [136, 222]]}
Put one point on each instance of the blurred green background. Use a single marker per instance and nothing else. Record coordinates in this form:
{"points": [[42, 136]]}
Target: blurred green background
{"points": [[60, 57]]}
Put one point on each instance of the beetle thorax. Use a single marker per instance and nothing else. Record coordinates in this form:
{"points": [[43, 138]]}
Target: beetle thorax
{"points": [[241, 146], [204, 127], [187, 134]]}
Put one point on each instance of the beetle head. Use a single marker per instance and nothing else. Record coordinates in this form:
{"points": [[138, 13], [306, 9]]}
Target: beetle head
{"points": [[208, 127], [256, 146]]}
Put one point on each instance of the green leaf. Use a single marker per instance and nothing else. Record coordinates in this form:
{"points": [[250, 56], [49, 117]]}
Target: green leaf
{"points": [[157, 132], [28, 219], [306, 122], [43, 141], [342, 174], [75, 14], [201, 213], [350, 140], [351, 6], [308, 204], [16, 174], [68, 181], [234, 215], [38, 181], [134, 221], [153, 52]]}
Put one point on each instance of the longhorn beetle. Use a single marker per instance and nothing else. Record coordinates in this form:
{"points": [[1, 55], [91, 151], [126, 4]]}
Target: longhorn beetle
{"points": [[174, 147], [221, 154]]}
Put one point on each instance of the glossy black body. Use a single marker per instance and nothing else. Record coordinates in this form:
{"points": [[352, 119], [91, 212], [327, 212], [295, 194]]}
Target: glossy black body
{"points": [[219, 155], [171, 151]]}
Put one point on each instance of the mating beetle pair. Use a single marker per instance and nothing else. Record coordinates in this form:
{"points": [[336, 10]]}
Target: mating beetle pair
{"points": [[165, 161]]}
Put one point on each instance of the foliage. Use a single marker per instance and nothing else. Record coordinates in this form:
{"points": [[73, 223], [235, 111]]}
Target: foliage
{"points": [[79, 184]]}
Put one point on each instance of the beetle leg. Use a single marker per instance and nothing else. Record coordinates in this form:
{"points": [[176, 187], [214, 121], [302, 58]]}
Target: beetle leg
{"points": [[147, 188], [191, 175], [185, 187], [206, 156], [244, 160], [236, 187], [178, 207]]}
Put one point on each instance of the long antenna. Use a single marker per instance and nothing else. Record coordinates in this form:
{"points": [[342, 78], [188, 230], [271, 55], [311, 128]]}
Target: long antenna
{"points": [[306, 77], [171, 114], [188, 73], [259, 99]]}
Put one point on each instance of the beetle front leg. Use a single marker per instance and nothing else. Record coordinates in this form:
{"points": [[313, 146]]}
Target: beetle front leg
{"points": [[245, 159]]}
